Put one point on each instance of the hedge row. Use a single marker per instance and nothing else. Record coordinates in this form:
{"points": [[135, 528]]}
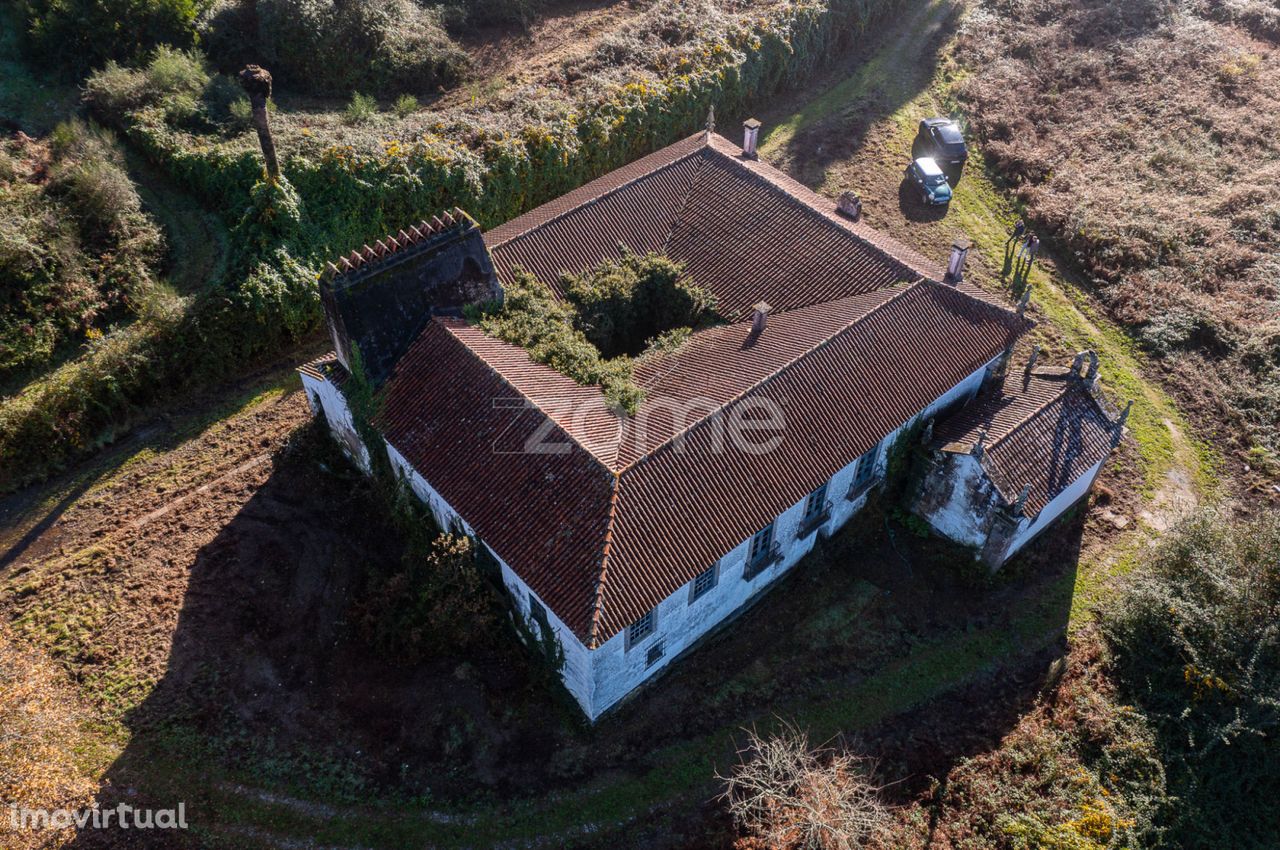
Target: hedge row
{"points": [[349, 198]]}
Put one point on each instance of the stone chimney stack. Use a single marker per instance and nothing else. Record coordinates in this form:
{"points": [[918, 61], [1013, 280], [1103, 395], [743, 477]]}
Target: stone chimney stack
{"points": [[750, 136], [759, 317]]}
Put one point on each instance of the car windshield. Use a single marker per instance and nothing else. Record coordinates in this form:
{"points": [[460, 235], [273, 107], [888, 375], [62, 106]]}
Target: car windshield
{"points": [[950, 135], [935, 179]]}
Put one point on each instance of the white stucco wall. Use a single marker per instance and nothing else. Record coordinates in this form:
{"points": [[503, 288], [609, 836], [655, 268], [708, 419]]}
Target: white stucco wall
{"points": [[1068, 497], [330, 399], [962, 512], [598, 679]]}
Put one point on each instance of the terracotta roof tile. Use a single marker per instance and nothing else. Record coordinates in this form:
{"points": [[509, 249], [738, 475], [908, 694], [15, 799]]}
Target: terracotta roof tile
{"points": [[607, 518], [734, 223], [1044, 429]]}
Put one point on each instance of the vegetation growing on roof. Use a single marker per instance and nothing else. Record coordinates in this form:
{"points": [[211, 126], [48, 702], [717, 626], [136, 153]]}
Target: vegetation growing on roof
{"points": [[613, 313]]}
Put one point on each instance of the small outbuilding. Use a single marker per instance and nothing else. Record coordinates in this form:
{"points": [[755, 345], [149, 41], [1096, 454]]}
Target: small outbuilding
{"points": [[1027, 448]]}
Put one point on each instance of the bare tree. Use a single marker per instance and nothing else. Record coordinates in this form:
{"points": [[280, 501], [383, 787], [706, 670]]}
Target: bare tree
{"points": [[256, 81], [786, 795]]}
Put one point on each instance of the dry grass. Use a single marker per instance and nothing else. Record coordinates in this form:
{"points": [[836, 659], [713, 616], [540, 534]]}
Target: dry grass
{"points": [[1136, 135], [40, 738], [786, 794]]}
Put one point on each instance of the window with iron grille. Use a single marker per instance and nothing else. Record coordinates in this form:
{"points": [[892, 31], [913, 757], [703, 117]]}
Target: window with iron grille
{"points": [[703, 582], [655, 653], [866, 466], [816, 503], [761, 542], [641, 628]]}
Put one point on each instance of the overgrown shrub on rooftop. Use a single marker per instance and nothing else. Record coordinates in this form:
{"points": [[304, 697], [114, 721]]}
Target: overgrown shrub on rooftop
{"points": [[623, 305], [611, 314]]}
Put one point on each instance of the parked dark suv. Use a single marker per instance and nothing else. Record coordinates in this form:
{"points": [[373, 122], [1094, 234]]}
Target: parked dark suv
{"points": [[941, 139]]}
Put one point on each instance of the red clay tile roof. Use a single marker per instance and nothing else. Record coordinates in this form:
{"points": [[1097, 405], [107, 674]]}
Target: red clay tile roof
{"points": [[600, 511], [610, 517], [735, 224], [467, 431], [1044, 429]]}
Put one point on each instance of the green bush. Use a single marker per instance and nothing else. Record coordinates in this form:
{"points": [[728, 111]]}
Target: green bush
{"points": [[623, 306], [331, 47], [361, 108], [76, 35], [406, 105], [533, 319], [1196, 640], [74, 250]]}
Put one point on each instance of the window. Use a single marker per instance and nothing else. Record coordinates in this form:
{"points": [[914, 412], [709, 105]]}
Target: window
{"points": [[703, 582], [641, 628], [655, 653], [760, 543], [866, 468], [816, 503]]}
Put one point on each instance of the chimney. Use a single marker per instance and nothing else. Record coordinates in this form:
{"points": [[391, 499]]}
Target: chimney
{"points": [[759, 317], [750, 135], [955, 266], [850, 205]]}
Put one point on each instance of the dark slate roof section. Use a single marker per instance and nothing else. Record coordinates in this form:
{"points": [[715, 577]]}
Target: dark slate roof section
{"points": [[472, 436], [1044, 429], [734, 223]]}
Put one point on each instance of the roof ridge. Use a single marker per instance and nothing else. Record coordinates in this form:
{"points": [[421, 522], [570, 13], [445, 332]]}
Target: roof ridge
{"points": [[1066, 387], [774, 374], [392, 243], [768, 174], [445, 322], [605, 191], [597, 607], [688, 195]]}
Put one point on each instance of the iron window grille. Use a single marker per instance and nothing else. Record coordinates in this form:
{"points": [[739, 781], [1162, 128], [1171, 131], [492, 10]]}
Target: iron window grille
{"points": [[703, 582], [641, 628], [864, 472], [764, 551], [655, 653]]}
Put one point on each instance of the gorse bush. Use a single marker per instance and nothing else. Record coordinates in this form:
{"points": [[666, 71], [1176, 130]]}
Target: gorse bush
{"points": [[1196, 639], [75, 247], [623, 306], [76, 35]]}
